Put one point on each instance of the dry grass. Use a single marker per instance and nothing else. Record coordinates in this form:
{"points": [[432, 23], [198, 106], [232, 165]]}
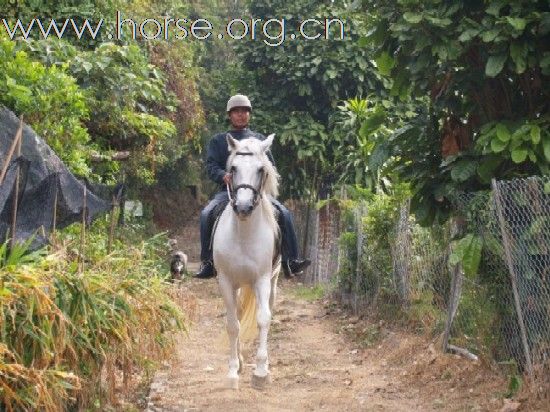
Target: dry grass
{"points": [[65, 335]]}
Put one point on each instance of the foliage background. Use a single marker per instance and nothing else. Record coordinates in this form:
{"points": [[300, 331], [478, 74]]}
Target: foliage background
{"points": [[420, 98]]}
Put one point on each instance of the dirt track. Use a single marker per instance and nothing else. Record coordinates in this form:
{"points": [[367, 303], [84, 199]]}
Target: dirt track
{"points": [[315, 365]]}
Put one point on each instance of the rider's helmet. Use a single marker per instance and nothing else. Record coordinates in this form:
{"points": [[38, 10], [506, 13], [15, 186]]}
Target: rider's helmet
{"points": [[238, 100]]}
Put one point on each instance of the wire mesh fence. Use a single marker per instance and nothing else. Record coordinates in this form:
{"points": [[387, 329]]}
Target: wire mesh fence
{"points": [[404, 271], [485, 322], [523, 209], [504, 311]]}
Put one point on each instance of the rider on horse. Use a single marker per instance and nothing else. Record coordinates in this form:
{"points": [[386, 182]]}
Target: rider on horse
{"points": [[238, 110]]}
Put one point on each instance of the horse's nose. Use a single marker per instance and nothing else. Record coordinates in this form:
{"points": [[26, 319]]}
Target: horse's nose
{"points": [[244, 209]]}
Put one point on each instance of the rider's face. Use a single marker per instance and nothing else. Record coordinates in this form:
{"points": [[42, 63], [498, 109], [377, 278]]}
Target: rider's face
{"points": [[239, 117]]}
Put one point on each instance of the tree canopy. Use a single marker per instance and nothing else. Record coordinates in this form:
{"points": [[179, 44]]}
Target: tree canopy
{"points": [[443, 96]]}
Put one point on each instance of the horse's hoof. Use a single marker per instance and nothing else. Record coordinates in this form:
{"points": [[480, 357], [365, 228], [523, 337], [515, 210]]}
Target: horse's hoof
{"points": [[260, 382], [233, 383]]}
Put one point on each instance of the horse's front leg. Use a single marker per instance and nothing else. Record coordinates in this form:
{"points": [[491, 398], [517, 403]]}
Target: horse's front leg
{"points": [[262, 291], [229, 294]]}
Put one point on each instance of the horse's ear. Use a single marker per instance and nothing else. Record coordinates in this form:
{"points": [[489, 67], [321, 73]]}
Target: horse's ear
{"points": [[231, 143], [266, 144]]}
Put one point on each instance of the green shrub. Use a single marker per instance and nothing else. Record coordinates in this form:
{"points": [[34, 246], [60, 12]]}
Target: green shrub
{"points": [[51, 102]]}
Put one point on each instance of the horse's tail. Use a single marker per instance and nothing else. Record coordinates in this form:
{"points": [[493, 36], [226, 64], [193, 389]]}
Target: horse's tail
{"points": [[247, 303]]}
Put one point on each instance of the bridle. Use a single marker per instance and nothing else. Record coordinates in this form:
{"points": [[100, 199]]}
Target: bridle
{"points": [[257, 193]]}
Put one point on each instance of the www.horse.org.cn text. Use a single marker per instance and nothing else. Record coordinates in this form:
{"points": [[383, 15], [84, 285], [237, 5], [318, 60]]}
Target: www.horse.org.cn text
{"points": [[273, 32]]}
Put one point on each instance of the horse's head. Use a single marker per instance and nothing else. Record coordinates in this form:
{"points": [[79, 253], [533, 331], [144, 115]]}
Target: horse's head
{"points": [[253, 175]]}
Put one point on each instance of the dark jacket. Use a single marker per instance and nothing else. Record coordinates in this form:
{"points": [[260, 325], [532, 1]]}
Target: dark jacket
{"points": [[218, 152]]}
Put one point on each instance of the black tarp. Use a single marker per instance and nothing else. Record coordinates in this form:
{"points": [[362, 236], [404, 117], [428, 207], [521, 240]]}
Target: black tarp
{"points": [[43, 180]]}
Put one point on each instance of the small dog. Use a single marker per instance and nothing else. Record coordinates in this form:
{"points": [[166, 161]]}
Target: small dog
{"points": [[178, 261], [178, 265]]}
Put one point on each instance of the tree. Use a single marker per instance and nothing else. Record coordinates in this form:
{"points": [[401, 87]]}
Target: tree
{"points": [[295, 88], [476, 75], [141, 96]]}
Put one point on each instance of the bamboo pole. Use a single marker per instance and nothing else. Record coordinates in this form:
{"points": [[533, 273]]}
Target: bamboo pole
{"points": [[82, 232], [54, 217], [112, 226], [16, 191], [122, 200], [14, 144], [513, 277]]}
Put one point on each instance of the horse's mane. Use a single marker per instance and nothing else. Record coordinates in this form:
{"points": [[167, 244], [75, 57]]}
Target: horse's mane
{"points": [[271, 185]]}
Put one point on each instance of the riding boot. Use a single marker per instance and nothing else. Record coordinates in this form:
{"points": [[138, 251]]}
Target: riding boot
{"points": [[294, 267], [206, 271]]}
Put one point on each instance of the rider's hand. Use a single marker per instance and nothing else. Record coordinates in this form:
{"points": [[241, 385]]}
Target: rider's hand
{"points": [[227, 178]]}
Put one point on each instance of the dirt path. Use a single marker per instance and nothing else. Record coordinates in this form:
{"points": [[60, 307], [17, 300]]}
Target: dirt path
{"points": [[321, 359], [315, 365]]}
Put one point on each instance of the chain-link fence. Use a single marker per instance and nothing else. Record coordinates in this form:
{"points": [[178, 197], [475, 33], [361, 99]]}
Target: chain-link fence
{"points": [[504, 311], [402, 271], [523, 210], [480, 312]]}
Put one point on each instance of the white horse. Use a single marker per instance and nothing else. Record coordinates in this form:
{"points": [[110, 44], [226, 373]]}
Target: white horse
{"points": [[245, 252]]}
